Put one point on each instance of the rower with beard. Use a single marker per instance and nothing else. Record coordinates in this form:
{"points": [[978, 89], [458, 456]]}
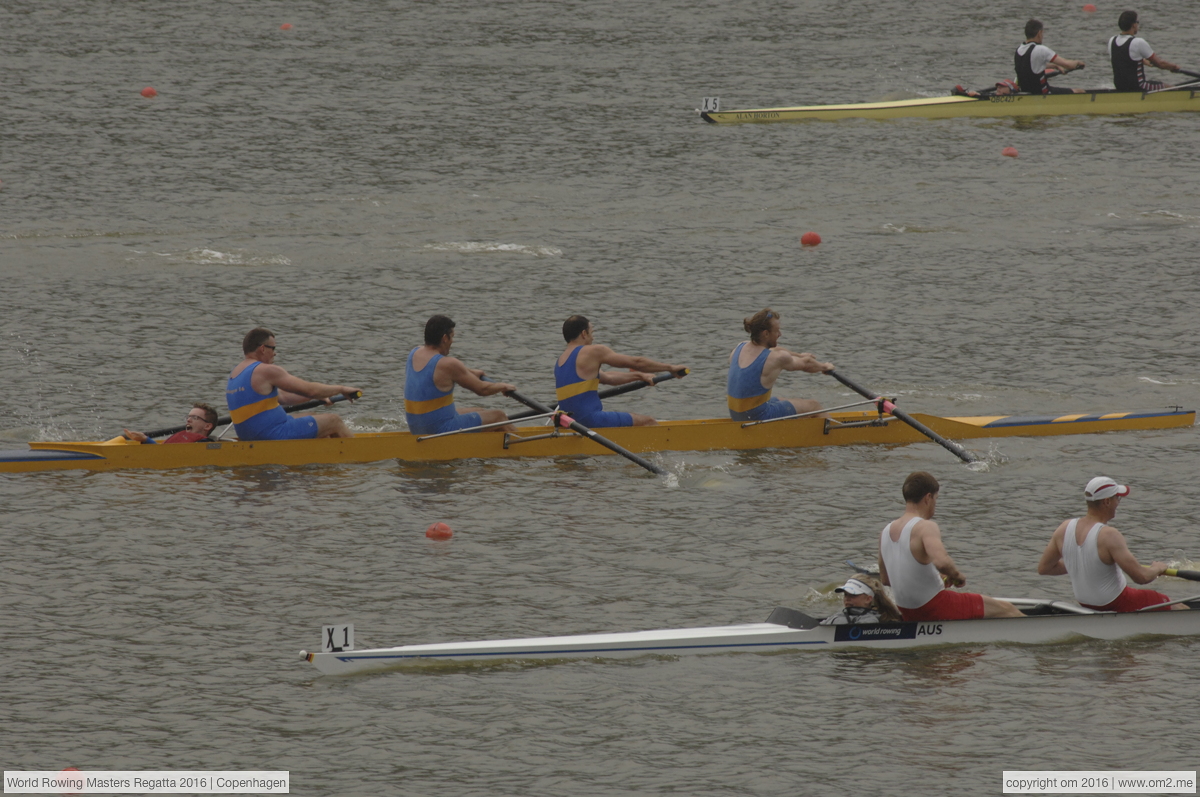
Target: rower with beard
{"points": [[754, 365], [1035, 62]]}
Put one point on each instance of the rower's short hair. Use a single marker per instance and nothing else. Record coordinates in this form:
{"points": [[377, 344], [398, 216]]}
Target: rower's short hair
{"points": [[1032, 27], [210, 414], [255, 338], [574, 326], [759, 323], [1127, 20], [918, 485], [436, 328]]}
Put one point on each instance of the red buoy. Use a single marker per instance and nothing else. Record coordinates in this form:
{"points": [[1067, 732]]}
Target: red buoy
{"points": [[1089, 9], [149, 92], [1009, 152], [810, 239], [286, 26], [439, 531]]}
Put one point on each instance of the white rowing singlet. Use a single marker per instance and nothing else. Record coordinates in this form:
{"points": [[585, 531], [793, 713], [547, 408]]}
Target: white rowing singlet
{"points": [[913, 584], [1094, 582]]}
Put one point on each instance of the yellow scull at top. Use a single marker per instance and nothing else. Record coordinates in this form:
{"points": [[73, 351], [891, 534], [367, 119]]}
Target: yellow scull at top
{"points": [[1092, 102], [845, 428]]}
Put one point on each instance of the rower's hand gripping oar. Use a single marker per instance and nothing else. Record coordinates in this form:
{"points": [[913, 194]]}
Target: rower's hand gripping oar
{"points": [[613, 391], [575, 426], [887, 406], [307, 405]]}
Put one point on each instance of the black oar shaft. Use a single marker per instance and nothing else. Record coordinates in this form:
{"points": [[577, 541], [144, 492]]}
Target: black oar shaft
{"points": [[308, 405], [951, 446], [1190, 575], [578, 427], [609, 393]]}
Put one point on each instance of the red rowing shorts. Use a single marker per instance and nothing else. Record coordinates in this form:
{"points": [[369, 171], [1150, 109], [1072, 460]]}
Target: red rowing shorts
{"points": [[947, 605], [1130, 600]]}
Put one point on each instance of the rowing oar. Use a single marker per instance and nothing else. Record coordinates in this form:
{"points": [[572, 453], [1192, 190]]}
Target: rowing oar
{"points": [[887, 406], [1188, 72], [575, 426], [1190, 575], [610, 392], [308, 405]]}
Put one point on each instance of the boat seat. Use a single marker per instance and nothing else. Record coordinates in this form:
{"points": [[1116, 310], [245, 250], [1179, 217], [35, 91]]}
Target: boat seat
{"points": [[792, 618]]}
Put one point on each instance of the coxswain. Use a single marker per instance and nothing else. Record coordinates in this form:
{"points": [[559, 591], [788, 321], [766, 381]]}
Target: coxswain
{"points": [[754, 365], [430, 375], [1035, 62], [257, 387], [578, 376], [200, 422], [1130, 53]]}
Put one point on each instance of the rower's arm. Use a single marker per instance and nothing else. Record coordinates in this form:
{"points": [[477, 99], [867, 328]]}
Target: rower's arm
{"points": [[931, 540], [625, 377], [1163, 63], [606, 356], [805, 362], [467, 378], [1051, 563], [1113, 542], [1067, 63], [294, 390]]}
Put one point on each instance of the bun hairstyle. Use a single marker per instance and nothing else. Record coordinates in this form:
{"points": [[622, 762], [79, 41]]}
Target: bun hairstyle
{"points": [[759, 323]]}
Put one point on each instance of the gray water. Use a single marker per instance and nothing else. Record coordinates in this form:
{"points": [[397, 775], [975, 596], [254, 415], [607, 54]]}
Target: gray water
{"points": [[511, 164]]}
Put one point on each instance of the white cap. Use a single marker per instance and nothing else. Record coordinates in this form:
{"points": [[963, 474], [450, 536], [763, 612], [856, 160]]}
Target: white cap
{"points": [[856, 587], [1103, 487]]}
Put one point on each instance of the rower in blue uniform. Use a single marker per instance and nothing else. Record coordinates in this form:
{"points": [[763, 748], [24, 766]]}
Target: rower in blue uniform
{"points": [[1129, 53], [429, 379], [1035, 62], [754, 365], [577, 377], [257, 386]]}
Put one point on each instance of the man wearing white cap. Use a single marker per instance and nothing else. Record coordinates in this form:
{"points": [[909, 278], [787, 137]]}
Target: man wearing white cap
{"points": [[863, 601], [1094, 554], [914, 562]]}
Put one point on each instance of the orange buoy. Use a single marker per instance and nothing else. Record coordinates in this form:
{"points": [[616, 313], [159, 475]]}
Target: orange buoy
{"points": [[810, 239], [1009, 152], [439, 531], [1089, 9], [149, 92], [286, 26]]}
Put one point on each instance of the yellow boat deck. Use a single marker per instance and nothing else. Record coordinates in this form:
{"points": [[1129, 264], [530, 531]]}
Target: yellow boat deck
{"points": [[845, 428]]}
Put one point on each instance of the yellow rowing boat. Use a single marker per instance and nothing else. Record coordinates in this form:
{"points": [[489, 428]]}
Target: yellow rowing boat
{"points": [[1093, 102], [844, 428]]}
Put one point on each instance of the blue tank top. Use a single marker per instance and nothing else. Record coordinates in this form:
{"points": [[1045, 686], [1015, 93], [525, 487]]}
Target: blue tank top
{"points": [[743, 388], [576, 394], [425, 406], [254, 415]]}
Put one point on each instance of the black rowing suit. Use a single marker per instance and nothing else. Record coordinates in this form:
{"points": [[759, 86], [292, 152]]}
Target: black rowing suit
{"points": [[1033, 82]]}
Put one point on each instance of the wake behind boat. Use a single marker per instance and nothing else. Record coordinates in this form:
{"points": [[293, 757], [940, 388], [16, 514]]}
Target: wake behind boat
{"points": [[716, 434], [1098, 101], [784, 630]]}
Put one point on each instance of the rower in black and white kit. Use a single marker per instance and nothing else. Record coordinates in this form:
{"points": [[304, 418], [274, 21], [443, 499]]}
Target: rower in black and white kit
{"points": [[1129, 54], [1035, 62]]}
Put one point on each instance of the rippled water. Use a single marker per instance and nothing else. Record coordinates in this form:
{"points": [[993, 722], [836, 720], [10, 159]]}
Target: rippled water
{"points": [[511, 164]]}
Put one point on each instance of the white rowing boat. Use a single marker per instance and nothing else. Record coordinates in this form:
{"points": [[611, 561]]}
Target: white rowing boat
{"points": [[785, 629]]}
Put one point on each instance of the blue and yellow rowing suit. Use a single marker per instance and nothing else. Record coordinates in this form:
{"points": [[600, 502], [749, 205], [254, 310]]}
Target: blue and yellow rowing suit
{"points": [[748, 399], [259, 417], [580, 398], [428, 409]]}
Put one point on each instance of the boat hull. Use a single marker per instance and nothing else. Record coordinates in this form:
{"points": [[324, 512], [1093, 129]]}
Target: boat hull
{"points": [[772, 637], [1093, 102], [692, 435]]}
